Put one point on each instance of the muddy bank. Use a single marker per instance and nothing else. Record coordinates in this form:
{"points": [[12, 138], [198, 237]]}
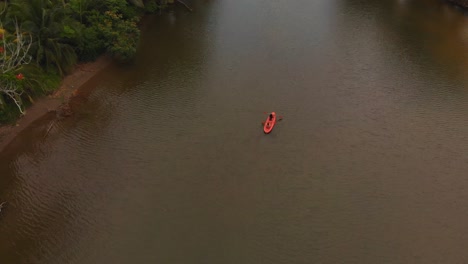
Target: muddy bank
{"points": [[56, 102]]}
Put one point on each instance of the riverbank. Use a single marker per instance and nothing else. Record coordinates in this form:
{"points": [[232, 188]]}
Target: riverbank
{"points": [[52, 103]]}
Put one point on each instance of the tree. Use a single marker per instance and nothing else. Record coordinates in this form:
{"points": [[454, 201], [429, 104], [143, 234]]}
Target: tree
{"points": [[13, 56], [121, 35], [46, 21]]}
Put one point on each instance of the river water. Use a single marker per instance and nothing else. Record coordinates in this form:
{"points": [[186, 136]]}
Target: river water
{"points": [[165, 161]]}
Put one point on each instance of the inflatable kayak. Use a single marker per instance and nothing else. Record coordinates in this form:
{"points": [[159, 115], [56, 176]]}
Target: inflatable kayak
{"points": [[269, 123]]}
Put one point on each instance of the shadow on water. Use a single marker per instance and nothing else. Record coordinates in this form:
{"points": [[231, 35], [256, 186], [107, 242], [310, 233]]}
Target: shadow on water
{"points": [[422, 49], [428, 33]]}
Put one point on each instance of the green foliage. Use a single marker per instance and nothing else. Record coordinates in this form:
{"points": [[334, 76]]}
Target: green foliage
{"points": [[79, 8], [3, 8], [45, 20], [35, 83], [122, 7], [107, 26], [14, 48], [38, 82], [64, 31], [153, 6], [83, 9], [92, 44], [121, 35], [8, 112]]}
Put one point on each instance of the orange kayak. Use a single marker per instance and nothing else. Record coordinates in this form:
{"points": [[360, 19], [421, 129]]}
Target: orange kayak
{"points": [[269, 123]]}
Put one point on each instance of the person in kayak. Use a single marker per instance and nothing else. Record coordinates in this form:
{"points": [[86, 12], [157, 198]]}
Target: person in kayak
{"points": [[270, 118], [269, 121]]}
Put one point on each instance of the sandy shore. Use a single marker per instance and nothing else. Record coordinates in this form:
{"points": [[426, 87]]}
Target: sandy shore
{"points": [[70, 84]]}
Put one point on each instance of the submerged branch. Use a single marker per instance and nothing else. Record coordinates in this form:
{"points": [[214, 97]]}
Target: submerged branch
{"points": [[50, 127], [183, 3], [2, 205]]}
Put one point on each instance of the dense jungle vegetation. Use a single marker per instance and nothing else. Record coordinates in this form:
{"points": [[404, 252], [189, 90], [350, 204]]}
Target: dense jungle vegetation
{"points": [[41, 41]]}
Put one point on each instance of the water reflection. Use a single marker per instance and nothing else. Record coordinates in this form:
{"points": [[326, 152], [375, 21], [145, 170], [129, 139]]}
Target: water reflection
{"points": [[164, 162], [442, 32]]}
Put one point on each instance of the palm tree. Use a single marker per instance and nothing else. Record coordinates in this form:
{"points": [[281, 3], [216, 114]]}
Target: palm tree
{"points": [[45, 21]]}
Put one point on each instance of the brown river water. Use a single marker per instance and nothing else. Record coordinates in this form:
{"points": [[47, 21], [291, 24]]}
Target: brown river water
{"points": [[165, 160]]}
